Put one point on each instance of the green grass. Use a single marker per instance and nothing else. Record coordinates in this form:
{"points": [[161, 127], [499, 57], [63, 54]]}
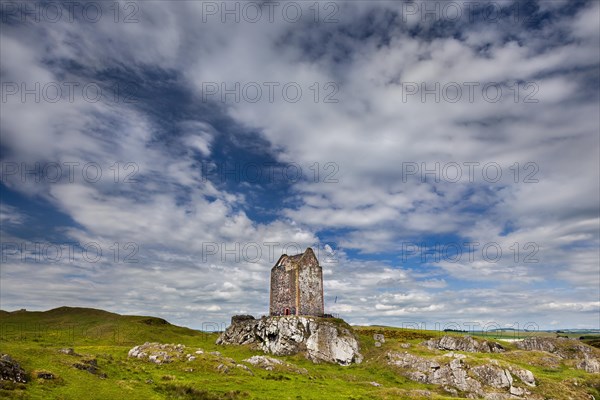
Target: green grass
{"points": [[35, 338]]}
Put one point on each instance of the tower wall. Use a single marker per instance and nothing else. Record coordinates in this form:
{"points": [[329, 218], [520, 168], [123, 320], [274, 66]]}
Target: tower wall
{"points": [[283, 291], [311, 291]]}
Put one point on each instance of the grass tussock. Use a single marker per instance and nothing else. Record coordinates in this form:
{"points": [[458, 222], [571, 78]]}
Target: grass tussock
{"points": [[188, 392]]}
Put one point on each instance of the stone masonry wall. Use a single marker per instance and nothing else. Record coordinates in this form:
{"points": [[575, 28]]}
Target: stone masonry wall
{"points": [[283, 291], [311, 290], [297, 285]]}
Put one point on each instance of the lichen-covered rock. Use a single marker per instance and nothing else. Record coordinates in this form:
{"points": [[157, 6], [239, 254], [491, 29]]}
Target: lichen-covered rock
{"points": [[241, 331], [524, 375], [454, 375], [517, 391], [589, 364], [493, 376], [464, 343], [455, 355], [270, 364], [224, 369], [320, 339], [537, 343], [586, 357], [407, 360], [283, 336], [10, 370], [331, 343], [449, 374], [263, 362], [158, 353], [378, 337]]}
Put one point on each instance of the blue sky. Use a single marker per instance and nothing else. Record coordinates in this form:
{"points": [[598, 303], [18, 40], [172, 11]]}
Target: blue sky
{"points": [[441, 157]]}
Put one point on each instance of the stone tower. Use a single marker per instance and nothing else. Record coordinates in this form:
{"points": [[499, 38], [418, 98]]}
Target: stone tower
{"points": [[297, 285]]}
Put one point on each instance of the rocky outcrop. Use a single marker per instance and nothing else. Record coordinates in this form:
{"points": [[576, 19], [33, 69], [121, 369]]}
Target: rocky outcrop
{"points": [[45, 375], [457, 375], [537, 343], [524, 375], [271, 364], [320, 339], [379, 339], [162, 353], [449, 374], [68, 351], [91, 366], [493, 376], [589, 364], [11, 371], [241, 331], [463, 343], [585, 357], [267, 363]]}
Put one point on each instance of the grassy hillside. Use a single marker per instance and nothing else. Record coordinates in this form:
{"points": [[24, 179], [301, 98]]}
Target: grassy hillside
{"points": [[34, 339], [83, 326]]}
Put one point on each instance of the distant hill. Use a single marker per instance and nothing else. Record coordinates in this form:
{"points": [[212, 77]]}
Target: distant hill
{"points": [[81, 325], [69, 313]]}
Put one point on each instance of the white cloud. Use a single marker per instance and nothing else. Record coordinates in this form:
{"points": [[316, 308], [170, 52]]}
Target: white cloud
{"points": [[11, 215], [367, 136]]}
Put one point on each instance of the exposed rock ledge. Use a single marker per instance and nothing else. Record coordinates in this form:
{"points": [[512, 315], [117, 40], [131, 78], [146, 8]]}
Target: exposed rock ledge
{"points": [[586, 357], [464, 343], [488, 381], [320, 339]]}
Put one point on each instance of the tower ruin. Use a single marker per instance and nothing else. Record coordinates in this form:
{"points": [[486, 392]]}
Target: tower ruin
{"points": [[297, 285]]}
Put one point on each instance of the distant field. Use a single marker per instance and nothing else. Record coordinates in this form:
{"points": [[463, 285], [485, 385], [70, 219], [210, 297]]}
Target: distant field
{"points": [[593, 339], [35, 338]]}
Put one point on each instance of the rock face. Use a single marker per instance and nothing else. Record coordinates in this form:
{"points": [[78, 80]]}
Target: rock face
{"points": [[450, 374], [536, 343], [456, 374], [463, 343], [524, 375], [10, 370], [493, 376], [320, 339], [589, 364], [586, 357]]}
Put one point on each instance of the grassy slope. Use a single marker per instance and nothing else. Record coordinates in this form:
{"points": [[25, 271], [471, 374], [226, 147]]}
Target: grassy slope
{"points": [[34, 338]]}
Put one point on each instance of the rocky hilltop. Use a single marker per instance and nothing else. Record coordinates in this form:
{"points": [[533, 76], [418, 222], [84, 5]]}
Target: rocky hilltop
{"points": [[320, 339], [490, 378], [584, 357]]}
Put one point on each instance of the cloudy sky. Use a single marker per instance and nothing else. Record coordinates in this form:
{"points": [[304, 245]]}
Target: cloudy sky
{"points": [[442, 158]]}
